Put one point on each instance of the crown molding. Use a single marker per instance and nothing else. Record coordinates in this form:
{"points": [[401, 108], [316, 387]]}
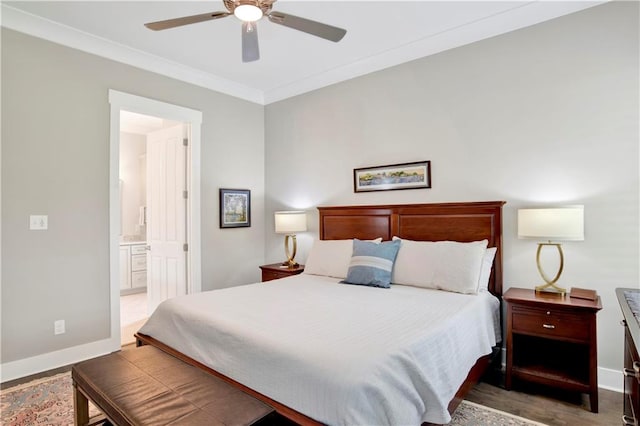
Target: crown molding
{"points": [[36, 26], [520, 16]]}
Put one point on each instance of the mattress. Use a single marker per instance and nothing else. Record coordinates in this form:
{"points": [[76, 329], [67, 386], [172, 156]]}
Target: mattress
{"points": [[340, 354]]}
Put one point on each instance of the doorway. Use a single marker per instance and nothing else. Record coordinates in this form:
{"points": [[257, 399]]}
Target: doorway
{"points": [[153, 171], [137, 252]]}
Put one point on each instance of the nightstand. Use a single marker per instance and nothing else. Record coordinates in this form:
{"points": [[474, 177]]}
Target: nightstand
{"points": [[276, 270], [552, 340]]}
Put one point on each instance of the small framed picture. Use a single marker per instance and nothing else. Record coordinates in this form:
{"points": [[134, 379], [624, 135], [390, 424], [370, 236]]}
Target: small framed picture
{"points": [[235, 208], [394, 176]]}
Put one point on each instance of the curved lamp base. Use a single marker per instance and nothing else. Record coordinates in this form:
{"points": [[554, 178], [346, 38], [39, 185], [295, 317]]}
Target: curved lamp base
{"points": [[552, 289], [290, 254], [550, 286]]}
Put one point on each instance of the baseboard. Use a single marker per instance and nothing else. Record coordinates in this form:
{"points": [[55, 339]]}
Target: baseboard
{"points": [[37, 364], [607, 378], [610, 379]]}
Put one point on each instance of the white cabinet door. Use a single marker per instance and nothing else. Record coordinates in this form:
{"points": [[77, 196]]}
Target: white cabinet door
{"points": [[125, 268], [138, 249], [138, 279], [139, 262]]}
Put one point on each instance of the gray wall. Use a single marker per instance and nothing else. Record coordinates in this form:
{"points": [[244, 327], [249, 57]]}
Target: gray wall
{"points": [[547, 115], [55, 161]]}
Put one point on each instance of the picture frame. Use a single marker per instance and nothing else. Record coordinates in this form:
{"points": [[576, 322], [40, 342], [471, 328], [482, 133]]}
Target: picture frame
{"points": [[414, 175], [235, 208]]}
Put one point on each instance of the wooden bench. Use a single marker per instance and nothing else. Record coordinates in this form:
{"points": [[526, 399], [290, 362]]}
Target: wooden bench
{"points": [[145, 386]]}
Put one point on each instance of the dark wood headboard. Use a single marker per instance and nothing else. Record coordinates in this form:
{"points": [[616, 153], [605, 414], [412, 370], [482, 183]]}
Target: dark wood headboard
{"points": [[464, 222]]}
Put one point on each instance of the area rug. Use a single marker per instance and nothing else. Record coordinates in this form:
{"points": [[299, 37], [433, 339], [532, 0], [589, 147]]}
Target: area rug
{"points": [[46, 401], [472, 414], [49, 401]]}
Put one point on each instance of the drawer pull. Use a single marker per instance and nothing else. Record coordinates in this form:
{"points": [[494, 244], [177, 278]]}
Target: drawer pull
{"points": [[628, 372], [636, 368], [549, 326], [629, 421]]}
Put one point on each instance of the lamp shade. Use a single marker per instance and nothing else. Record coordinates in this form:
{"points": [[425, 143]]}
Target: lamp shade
{"points": [[290, 222], [557, 224]]}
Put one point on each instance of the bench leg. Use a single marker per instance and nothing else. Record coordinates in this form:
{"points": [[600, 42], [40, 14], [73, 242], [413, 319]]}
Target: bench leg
{"points": [[80, 407]]}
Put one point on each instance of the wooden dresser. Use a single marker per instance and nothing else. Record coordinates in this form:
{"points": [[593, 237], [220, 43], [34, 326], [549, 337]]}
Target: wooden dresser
{"points": [[629, 300], [552, 340]]}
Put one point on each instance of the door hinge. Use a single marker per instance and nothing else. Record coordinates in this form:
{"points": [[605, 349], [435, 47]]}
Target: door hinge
{"points": [[185, 247], [185, 194], [185, 142]]}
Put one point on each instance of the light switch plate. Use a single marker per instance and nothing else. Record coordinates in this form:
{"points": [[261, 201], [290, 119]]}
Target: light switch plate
{"points": [[38, 222], [59, 327]]}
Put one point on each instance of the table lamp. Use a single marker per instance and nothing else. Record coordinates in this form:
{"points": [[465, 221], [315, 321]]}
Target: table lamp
{"points": [[289, 223], [551, 224]]}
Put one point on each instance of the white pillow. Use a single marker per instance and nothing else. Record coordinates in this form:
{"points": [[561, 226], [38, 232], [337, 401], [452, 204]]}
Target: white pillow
{"points": [[485, 270], [444, 265], [331, 258]]}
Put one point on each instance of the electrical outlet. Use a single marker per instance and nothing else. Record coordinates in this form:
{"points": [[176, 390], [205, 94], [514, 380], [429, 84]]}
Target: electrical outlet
{"points": [[38, 222], [58, 327]]}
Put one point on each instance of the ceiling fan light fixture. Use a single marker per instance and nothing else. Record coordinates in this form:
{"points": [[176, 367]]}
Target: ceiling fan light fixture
{"points": [[248, 12]]}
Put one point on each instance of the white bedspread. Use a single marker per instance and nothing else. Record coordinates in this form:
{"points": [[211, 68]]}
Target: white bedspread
{"points": [[341, 354]]}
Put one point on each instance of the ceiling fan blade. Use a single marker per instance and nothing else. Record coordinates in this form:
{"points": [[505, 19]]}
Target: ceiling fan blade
{"points": [[250, 49], [308, 26], [185, 20]]}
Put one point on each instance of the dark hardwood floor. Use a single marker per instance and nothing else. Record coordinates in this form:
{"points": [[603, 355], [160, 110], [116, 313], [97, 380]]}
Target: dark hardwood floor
{"points": [[27, 379], [547, 405]]}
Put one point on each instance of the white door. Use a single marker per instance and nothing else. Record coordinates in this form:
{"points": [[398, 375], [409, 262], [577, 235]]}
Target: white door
{"points": [[166, 215]]}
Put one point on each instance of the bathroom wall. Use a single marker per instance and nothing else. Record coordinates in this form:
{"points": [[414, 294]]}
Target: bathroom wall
{"points": [[133, 148]]}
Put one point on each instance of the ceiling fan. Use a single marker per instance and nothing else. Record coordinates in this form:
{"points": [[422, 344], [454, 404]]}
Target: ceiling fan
{"points": [[249, 12]]}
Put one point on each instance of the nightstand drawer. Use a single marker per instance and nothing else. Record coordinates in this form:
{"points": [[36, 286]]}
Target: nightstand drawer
{"points": [[550, 322], [274, 275]]}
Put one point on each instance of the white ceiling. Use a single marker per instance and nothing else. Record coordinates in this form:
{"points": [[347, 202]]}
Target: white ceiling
{"points": [[380, 34]]}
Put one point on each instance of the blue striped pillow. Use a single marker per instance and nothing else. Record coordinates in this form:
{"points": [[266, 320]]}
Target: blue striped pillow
{"points": [[371, 263]]}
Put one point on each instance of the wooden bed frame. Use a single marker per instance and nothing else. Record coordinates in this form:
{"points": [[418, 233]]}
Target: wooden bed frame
{"points": [[464, 222]]}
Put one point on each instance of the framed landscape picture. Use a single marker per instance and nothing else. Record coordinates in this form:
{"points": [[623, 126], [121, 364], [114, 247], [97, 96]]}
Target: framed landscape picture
{"points": [[394, 176], [235, 208]]}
